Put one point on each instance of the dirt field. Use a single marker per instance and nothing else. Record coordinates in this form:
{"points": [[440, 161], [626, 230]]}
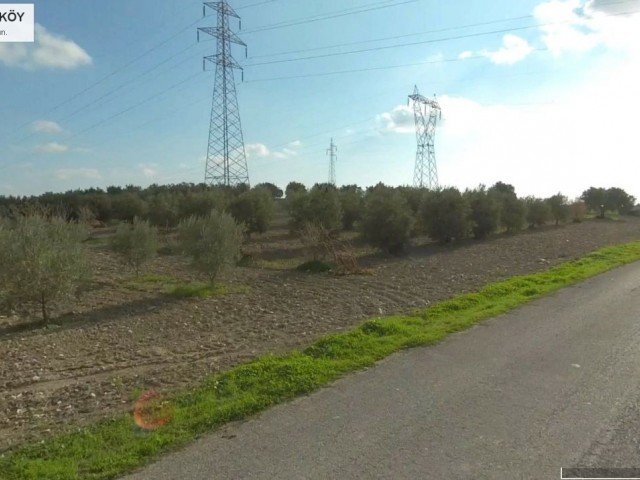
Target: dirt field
{"points": [[118, 341]]}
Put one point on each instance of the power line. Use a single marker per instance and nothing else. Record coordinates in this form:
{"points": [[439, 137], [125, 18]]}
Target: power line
{"points": [[256, 4], [338, 14], [423, 42], [471, 25]]}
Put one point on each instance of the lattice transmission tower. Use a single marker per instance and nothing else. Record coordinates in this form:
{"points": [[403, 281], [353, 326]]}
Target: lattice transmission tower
{"points": [[427, 113], [332, 151], [226, 158]]}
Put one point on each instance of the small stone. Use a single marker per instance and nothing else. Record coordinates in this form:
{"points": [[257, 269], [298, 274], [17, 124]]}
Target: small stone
{"points": [[35, 378]]}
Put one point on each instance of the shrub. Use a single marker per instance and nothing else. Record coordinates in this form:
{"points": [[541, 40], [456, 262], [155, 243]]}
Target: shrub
{"points": [[578, 210], [595, 199], [254, 208], [297, 205], [387, 220], [617, 200], [445, 215], [324, 207], [512, 213], [558, 208], [352, 203], [538, 212], [295, 187], [321, 206], [136, 243], [213, 242], [271, 188], [314, 239], [43, 262], [200, 203], [163, 210], [484, 212]]}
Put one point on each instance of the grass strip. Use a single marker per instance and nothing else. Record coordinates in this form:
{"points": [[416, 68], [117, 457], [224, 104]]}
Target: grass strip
{"points": [[111, 448]]}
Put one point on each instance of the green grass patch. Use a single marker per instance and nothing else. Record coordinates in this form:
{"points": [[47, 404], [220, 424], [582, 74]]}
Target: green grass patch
{"points": [[111, 448], [279, 264], [205, 290]]}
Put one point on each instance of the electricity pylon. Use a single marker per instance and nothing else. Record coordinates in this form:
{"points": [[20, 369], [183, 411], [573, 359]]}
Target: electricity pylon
{"points": [[226, 158], [333, 152], [427, 113]]}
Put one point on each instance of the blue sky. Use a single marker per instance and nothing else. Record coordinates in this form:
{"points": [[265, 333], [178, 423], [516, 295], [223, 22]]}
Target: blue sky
{"points": [[540, 94]]}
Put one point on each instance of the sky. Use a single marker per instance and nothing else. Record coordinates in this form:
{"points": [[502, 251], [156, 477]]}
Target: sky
{"points": [[539, 94]]}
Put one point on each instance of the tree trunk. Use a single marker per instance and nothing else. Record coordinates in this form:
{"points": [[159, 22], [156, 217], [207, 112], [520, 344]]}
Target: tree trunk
{"points": [[43, 304]]}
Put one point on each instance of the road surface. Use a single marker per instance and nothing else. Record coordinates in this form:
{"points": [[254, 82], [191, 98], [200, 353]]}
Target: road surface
{"points": [[553, 384]]}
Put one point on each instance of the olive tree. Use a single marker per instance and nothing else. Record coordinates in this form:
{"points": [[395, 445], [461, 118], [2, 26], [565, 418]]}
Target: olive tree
{"points": [[387, 221], [43, 262], [213, 243], [137, 243]]}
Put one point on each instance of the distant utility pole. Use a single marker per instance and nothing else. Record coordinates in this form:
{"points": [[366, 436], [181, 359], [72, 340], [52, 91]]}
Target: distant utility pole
{"points": [[427, 113], [226, 158], [333, 152]]}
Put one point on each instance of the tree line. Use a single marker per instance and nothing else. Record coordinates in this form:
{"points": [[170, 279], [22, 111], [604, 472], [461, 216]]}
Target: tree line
{"points": [[44, 262]]}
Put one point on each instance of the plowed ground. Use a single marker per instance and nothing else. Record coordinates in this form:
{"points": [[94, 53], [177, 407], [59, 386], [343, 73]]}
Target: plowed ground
{"points": [[118, 341]]}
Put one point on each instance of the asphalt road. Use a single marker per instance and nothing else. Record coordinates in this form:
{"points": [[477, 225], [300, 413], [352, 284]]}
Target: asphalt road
{"points": [[553, 384]]}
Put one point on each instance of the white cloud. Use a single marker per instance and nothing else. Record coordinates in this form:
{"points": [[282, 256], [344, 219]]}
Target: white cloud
{"points": [[46, 126], [74, 173], [399, 120], [572, 26], [546, 148], [52, 147], [514, 49], [148, 170], [48, 51], [256, 150], [579, 26], [260, 150]]}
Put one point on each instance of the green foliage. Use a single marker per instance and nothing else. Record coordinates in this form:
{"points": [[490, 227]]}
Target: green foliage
{"points": [[136, 243], [321, 206], [413, 197], [512, 209], [127, 205], [297, 206], [445, 215], [213, 242], [512, 213], [164, 210], [201, 203], [577, 211], [254, 208], [295, 187], [484, 212], [352, 203], [538, 212], [271, 188], [111, 448], [595, 199], [559, 206], [387, 220], [617, 200], [43, 262]]}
